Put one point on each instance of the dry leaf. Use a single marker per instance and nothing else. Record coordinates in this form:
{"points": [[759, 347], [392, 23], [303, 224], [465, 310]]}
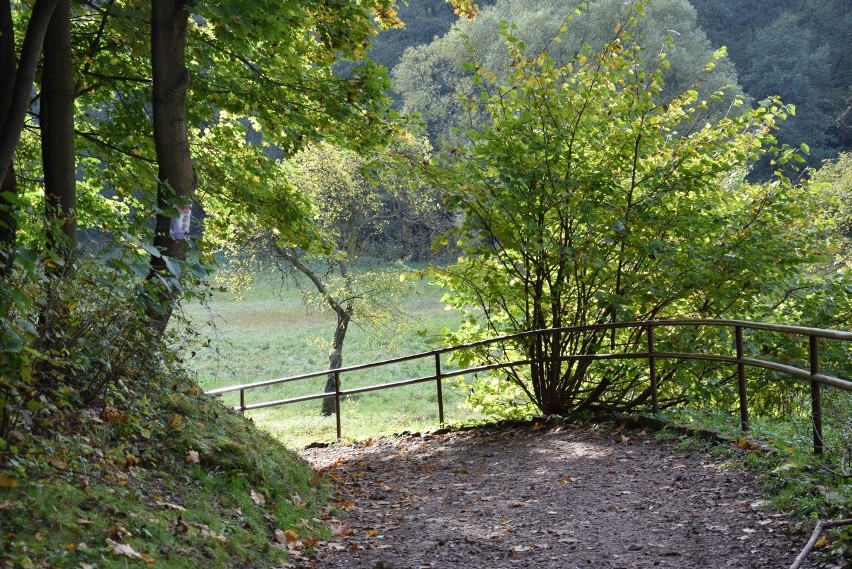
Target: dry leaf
{"points": [[205, 532], [119, 532], [291, 535], [280, 537], [257, 497], [372, 533], [123, 549], [170, 505], [193, 456], [57, 463], [7, 482], [821, 542]]}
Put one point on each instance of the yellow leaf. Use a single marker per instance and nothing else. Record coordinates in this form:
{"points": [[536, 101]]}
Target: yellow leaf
{"points": [[291, 535], [193, 456], [7, 482], [372, 533], [821, 542]]}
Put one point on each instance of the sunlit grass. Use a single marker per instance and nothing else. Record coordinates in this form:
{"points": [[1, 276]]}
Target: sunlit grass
{"points": [[269, 333]]}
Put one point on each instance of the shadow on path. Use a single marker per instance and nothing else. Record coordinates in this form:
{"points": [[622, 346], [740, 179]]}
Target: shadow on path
{"points": [[543, 497]]}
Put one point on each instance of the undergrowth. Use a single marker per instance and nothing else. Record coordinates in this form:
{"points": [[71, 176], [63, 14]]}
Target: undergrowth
{"points": [[157, 475]]}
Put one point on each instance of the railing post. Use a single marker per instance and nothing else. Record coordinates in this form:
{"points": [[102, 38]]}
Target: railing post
{"points": [[440, 389], [816, 398], [243, 401], [337, 402], [741, 380], [652, 371]]}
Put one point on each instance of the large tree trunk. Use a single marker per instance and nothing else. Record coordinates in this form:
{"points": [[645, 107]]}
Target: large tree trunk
{"points": [[16, 83], [8, 184], [56, 117], [176, 184]]}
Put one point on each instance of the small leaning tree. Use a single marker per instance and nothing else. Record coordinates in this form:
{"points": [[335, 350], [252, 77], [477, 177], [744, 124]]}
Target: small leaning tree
{"points": [[590, 198]]}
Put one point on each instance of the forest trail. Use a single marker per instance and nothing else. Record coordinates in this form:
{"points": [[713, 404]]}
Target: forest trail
{"points": [[543, 496]]}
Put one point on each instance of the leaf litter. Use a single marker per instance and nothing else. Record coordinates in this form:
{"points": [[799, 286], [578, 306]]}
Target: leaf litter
{"points": [[526, 496]]}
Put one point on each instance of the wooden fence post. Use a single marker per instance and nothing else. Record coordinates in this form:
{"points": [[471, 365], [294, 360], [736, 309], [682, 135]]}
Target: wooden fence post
{"points": [[337, 403], [440, 389]]}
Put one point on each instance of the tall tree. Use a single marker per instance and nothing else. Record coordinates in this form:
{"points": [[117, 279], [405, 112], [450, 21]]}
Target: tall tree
{"points": [[56, 118], [15, 93], [176, 176], [8, 185]]}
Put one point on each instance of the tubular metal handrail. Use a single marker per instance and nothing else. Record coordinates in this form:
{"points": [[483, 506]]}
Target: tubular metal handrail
{"points": [[812, 374]]}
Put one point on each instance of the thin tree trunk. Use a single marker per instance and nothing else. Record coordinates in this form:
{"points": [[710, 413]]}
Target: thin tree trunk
{"points": [[56, 117], [176, 184], [343, 310], [16, 83], [335, 357]]}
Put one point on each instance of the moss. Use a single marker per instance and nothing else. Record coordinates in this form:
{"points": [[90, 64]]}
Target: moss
{"points": [[145, 491]]}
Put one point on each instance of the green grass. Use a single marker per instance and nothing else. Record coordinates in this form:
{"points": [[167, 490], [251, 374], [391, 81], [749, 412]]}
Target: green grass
{"points": [[169, 480], [269, 333]]}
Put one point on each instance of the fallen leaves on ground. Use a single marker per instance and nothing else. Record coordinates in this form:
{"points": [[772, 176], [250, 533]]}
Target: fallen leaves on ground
{"points": [[257, 497]]}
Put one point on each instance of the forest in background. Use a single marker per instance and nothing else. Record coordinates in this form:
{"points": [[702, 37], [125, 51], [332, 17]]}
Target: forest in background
{"points": [[798, 50]]}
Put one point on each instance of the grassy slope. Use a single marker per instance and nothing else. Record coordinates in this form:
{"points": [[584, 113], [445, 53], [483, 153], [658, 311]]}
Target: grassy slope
{"points": [[175, 480]]}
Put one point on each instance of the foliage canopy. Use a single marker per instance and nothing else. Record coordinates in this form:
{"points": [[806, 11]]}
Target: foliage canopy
{"points": [[593, 196]]}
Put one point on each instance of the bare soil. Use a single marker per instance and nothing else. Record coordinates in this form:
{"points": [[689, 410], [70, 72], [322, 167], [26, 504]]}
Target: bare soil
{"points": [[543, 496]]}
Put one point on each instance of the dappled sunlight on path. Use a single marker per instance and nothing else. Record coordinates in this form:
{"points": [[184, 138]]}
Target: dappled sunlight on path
{"points": [[543, 497]]}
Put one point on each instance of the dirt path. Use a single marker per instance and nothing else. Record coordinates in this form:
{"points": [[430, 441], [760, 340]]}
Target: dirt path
{"points": [[543, 498]]}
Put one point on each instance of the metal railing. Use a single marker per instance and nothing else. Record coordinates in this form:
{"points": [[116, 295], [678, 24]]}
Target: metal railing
{"points": [[812, 374]]}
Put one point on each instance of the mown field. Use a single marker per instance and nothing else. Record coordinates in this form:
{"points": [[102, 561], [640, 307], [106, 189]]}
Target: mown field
{"points": [[269, 333]]}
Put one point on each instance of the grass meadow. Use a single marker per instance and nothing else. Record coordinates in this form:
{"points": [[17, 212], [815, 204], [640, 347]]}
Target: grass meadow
{"points": [[269, 333]]}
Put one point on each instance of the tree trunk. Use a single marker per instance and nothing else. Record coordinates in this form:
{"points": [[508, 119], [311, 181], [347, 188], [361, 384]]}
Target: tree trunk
{"points": [[335, 357], [14, 114], [16, 83], [176, 184], [56, 117]]}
